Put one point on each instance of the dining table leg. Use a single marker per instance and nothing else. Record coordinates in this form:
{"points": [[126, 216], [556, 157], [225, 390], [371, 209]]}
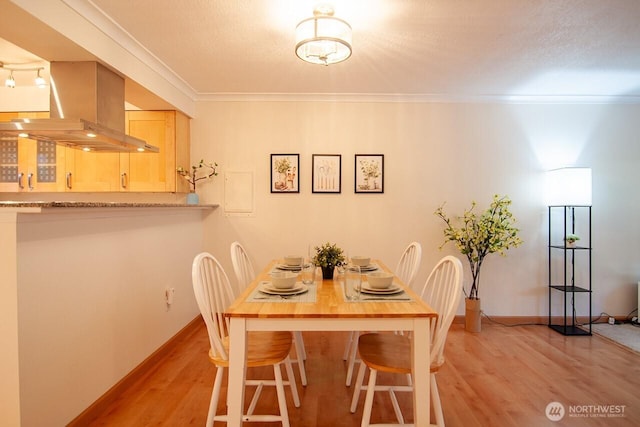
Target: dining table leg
{"points": [[237, 370], [420, 348]]}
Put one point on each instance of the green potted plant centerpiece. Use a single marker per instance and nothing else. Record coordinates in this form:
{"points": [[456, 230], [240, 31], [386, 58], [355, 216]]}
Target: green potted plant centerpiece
{"points": [[328, 256], [476, 236], [203, 170]]}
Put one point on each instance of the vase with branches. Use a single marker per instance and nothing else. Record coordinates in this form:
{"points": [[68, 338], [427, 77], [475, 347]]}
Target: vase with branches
{"points": [[479, 234], [203, 170]]}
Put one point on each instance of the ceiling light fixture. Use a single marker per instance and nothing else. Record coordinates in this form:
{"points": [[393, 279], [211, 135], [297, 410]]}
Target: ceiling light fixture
{"points": [[11, 81], [323, 39]]}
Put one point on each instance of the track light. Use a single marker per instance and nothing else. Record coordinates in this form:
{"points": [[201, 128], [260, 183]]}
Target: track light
{"points": [[10, 82], [40, 82], [12, 68]]}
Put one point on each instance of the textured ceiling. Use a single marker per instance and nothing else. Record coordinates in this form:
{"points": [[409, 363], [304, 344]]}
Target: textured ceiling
{"points": [[434, 47], [438, 48]]}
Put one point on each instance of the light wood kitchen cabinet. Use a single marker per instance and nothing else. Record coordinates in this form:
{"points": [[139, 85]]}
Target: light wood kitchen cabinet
{"points": [[156, 172], [91, 172], [27, 165]]}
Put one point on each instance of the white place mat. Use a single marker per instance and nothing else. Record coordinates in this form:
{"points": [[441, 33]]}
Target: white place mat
{"points": [[309, 296]]}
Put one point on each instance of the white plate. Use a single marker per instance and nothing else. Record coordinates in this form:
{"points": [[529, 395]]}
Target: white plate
{"points": [[370, 267], [393, 289], [288, 267], [267, 288]]}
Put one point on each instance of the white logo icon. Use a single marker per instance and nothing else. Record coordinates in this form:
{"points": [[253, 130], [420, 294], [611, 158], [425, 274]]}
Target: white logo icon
{"points": [[554, 411]]}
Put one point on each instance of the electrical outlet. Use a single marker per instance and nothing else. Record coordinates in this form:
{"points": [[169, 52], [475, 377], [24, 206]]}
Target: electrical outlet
{"points": [[612, 320]]}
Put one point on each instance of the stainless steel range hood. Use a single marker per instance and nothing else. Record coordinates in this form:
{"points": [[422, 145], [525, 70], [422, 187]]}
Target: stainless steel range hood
{"points": [[87, 111]]}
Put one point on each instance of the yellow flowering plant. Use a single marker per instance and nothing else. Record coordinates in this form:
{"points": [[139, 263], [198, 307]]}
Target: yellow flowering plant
{"points": [[479, 235], [210, 169]]}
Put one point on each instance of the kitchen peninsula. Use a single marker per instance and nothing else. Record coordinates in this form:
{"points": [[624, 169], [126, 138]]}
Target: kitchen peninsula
{"points": [[83, 304]]}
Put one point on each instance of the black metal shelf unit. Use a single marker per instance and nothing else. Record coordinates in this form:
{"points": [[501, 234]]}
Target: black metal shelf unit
{"points": [[566, 263]]}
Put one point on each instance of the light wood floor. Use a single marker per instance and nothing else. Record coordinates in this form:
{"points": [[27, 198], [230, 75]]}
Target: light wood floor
{"points": [[503, 376]]}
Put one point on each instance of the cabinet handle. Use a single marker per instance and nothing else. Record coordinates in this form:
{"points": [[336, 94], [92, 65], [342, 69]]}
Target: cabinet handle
{"points": [[69, 180], [123, 180], [30, 181], [20, 184]]}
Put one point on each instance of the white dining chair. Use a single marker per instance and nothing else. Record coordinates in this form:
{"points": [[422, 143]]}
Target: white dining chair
{"points": [[245, 274], [391, 353], [214, 294], [406, 271], [242, 266], [409, 263]]}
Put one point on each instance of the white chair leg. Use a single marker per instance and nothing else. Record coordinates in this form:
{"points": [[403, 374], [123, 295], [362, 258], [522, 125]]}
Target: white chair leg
{"points": [[215, 395], [300, 356], [358, 387], [256, 397], [351, 361], [409, 379], [347, 348], [304, 351], [368, 400], [396, 406], [282, 400], [437, 404], [292, 381]]}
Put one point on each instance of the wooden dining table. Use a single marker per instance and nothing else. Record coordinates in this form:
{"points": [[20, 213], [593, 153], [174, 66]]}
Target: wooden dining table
{"points": [[324, 308]]}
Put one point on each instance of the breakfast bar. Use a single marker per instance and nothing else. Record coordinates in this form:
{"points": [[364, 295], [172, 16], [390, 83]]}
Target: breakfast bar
{"points": [[59, 257]]}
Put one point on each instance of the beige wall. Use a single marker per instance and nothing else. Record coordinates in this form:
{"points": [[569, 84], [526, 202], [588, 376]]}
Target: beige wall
{"points": [[91, 301], [433, 153]]}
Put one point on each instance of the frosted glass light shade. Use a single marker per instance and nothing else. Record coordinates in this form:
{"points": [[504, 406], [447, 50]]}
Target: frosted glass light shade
{"points": [[323, 39], [568, 187]]}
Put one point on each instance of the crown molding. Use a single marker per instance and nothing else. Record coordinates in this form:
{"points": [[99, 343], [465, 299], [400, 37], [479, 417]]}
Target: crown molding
{"points": [[416, 98]]}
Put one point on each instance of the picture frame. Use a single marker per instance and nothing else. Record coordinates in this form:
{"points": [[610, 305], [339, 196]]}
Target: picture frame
{"points": [[369, 173], [285, 173], [326, 173]]}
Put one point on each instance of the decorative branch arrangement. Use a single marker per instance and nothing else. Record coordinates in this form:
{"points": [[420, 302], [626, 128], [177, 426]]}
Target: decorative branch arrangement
{"points": [[210, 170], [483, 234]]}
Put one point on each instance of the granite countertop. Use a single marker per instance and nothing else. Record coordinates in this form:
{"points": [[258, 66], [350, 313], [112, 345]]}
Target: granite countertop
{"points": [[70, 204]]}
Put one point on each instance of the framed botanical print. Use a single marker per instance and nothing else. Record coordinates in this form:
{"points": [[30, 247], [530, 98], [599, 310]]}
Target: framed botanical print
{"points": [[326, 174], [369, 173], [285, 173]]}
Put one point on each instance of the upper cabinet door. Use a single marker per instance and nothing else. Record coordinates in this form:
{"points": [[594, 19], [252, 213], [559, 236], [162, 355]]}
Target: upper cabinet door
{"points": [[27, 165], [152, 171], [89, 172]]}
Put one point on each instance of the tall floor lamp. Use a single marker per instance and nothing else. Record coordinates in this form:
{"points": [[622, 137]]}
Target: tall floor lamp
{"points": [[568, 189]]}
